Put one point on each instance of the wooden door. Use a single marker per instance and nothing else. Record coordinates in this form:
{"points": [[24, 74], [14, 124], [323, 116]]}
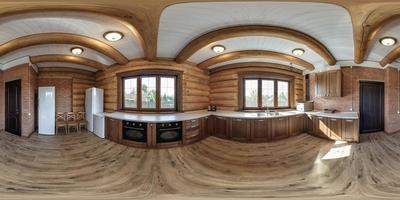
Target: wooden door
{"points": [[240, 129], [221, 125], [335, 129], [260, 130], [13, 107], [334, 83], [320, 84], [280, 128], [371, 107], [296, 124]]}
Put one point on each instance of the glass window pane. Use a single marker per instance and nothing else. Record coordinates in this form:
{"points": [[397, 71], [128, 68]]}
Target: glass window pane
{"points": [[251, 93], [130, 93], [268, 87], [148, 92], [167, 87], [283, 94]]}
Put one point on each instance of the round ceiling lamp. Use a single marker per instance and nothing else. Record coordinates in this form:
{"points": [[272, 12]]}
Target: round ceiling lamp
{"points": [[76, 50], [388, 41], [218, 48], [113, 36], [298, 52]]}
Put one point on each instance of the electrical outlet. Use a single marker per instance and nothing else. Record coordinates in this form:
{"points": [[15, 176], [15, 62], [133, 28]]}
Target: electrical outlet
{"points": [[351, 109]]}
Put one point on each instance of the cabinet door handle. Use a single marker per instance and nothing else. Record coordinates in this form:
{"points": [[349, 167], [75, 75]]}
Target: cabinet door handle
{"points": [[298, 116], [260, 120], [221, 118], [333, 119], [349, 120], [238, 120], [280, 119], [193, 120]]}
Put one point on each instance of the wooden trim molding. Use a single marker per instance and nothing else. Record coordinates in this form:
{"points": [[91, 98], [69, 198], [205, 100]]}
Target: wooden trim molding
{"points": [[68, 59], [149, 72], [390, 57], [255, 54], [131, 19], [255, 30], [63, 38], [255, 64]]}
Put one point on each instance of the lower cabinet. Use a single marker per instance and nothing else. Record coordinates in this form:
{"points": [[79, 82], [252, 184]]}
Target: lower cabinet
{"points": [[221, 127], [296, 125], [260, 130], [309, 124], [239, 129], [192, 131], [350, 130], [280, 128], [335, 128], [321, 127], [207, 126], [113, 129]]}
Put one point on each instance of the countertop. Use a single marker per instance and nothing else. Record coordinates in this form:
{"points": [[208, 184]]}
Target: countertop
{"points": [[173, 117]]}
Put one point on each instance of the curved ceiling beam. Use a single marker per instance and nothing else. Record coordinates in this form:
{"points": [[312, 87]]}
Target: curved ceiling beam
{"points": [[63, 38], [371, 27], [392, 56], [255, 30], [255, 64], [134, 22], [68, 59], [255, 54]]}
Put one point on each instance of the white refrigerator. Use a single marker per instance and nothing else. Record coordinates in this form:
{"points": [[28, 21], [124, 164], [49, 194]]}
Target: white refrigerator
{"points": [[93, 105], [47, 110]]}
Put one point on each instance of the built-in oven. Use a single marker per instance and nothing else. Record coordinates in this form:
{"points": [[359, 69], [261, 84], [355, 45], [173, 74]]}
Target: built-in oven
{"points": [[134, 131], [169, 132]]}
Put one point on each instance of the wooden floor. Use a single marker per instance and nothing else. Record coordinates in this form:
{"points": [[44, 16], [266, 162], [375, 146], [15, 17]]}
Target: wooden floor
{"points": [[82, 166]]}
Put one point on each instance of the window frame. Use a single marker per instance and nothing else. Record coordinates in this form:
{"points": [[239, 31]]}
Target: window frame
{"points": [[259, 77], [177, 75]]}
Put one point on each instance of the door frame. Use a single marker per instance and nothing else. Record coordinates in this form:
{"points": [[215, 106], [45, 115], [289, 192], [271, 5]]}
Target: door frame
{"points": [[20, 105], [382, 83]]}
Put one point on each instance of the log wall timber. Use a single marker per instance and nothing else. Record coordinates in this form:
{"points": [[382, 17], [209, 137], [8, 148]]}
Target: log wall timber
{"points": [[195, 89], [224, 84], [80, 79]]}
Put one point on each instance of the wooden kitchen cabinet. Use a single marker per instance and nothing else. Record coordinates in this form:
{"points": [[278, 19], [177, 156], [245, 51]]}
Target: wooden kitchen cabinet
{"points": [[321, 127], [309, 124], [350, 130], [239, 129], [260, 130], [280, 128], [221, 127], [328, 84], [320, 84], [335, 129], [192, 132], [113, 129], [334, 83], [296, 125], [206, 128]]}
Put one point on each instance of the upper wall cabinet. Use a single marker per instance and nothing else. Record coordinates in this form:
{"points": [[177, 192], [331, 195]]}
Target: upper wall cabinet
{"points": [[328, 84]]}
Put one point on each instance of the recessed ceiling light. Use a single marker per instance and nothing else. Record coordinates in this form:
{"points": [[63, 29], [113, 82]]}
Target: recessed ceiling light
{"points": [[388, 41], [113, 36], [298, 52], [218, 48], [76, 50]]}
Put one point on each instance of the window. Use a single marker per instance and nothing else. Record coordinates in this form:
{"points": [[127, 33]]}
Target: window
{"points": [[149, 93], [265, 93]]}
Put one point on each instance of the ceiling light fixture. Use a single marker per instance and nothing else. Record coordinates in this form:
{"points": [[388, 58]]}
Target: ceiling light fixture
{"points": [[388, 41], [113, 36], [298, 52], [218, 48], [76, 50]]}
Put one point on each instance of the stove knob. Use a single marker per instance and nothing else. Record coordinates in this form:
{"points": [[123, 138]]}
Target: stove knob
{"points": [[176, 124], [133, 124], [140, 124], [169, 124]]}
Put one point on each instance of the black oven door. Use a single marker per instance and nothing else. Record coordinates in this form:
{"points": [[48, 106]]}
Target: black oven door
{"points": [[169, 135], [135, 134]]}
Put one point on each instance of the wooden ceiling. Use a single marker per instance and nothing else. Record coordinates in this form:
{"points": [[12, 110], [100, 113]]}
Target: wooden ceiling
{"points": [[335, 32]]}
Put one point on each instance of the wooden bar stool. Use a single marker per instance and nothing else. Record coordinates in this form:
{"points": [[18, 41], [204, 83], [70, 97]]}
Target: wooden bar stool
{"points": [[61, 122], [72, 122], [82, 120]]}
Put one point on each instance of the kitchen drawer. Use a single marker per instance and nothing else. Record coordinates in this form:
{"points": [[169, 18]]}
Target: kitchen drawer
{"points": [[191, 124], [191, 136]]}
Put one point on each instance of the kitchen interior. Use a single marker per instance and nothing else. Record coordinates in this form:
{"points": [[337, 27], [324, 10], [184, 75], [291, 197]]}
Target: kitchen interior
{"points": [[200, 100]]}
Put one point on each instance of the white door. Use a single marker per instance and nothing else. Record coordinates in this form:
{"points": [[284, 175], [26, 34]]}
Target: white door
{"points": [[47, 109]]}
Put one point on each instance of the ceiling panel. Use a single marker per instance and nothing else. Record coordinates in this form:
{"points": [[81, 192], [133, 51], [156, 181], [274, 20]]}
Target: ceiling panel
{"points": [[55, 49], [245, 60], [87, 24], [259, 43], [328, 23]]}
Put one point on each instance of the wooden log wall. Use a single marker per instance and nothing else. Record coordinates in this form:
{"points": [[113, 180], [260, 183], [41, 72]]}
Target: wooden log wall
{"points": [[224, 85], [81, 80], [195, 89]]}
